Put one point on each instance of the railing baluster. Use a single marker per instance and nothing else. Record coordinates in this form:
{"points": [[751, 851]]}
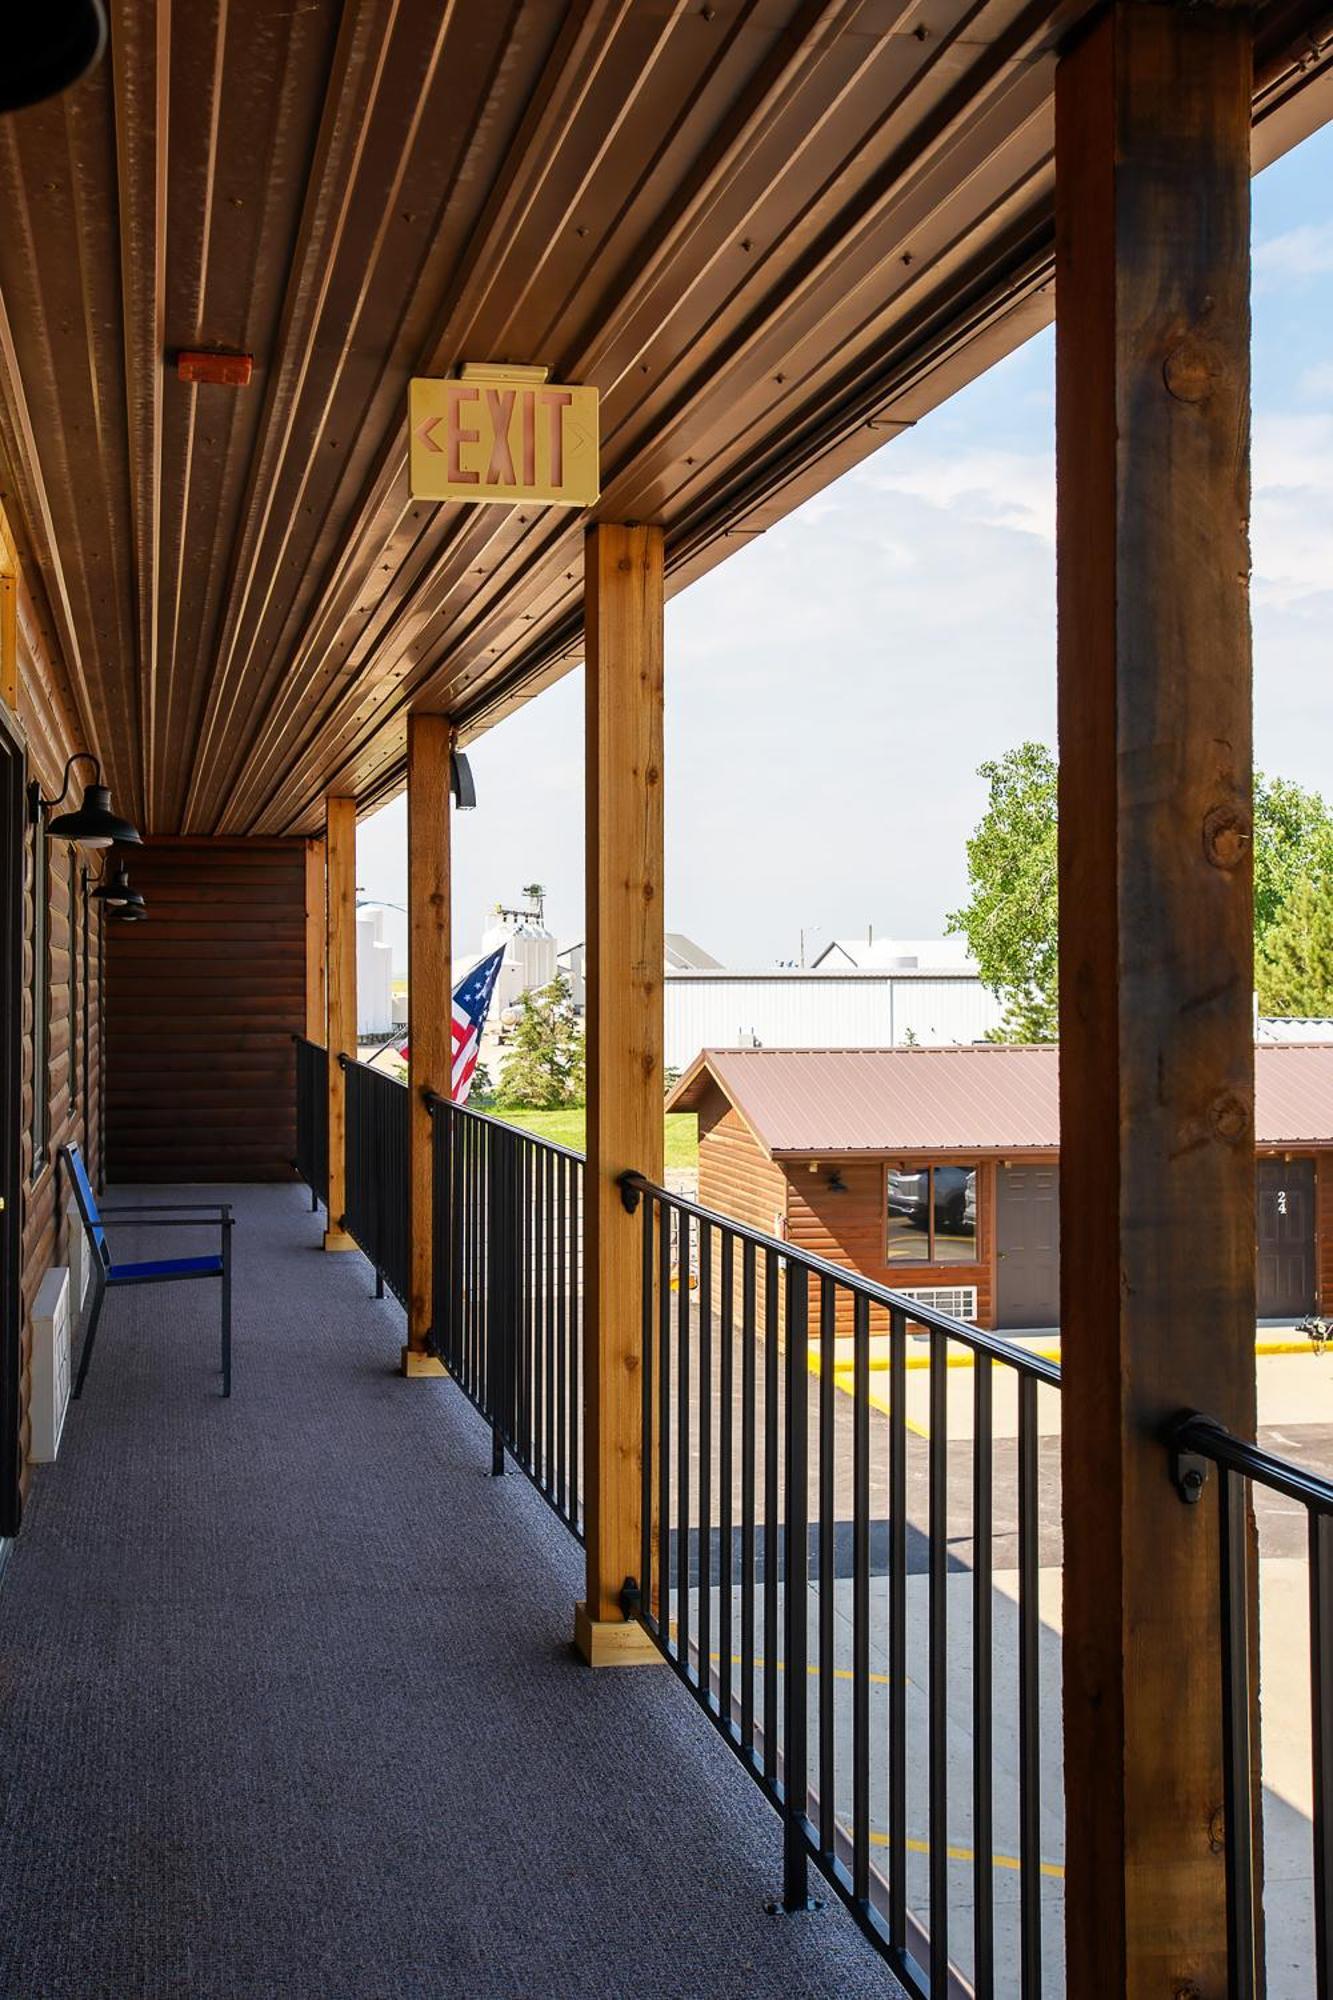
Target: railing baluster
{"points": [[1321, 1700], [861, 1599], [772, 1445], [938, 1675], [795, 1585], [683, 1439], [548, 1378], [705, 1533], [983, 1837], [1029, 1716], [898, 1630], [726, 1474], [664, 1431], [649, 1587], [1237, 1780], [749, 1391], [560, 1489], [828, 1783]]}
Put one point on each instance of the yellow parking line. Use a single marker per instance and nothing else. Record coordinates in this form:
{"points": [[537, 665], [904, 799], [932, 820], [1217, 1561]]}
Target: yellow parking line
{"points": [[1055, 1869]]}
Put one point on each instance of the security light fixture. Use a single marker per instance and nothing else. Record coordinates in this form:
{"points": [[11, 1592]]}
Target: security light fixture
{"points": [[92, 824], [461, 782], [115, 891], [48, 48]]}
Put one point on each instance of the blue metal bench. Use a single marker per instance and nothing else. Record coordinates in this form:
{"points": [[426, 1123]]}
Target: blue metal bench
{"points": [[158, 1271]]}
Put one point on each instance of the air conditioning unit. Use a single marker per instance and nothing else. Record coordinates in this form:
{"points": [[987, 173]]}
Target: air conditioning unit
{"points": [[958, 1301], [51, 1359]]}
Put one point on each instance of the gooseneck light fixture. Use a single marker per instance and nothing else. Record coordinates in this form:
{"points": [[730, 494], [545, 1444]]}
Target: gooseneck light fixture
{"points": [[117, 894], [92, 823]]}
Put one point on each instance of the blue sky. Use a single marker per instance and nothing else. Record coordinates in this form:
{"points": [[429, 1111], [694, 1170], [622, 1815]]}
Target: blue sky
{"points": [[832, 687]]}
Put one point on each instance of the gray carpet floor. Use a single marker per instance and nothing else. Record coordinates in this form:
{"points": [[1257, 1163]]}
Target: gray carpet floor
{"points": [[287, 1703]]}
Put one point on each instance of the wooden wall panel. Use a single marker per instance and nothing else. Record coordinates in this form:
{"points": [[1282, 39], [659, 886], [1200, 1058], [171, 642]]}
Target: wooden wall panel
{"points": [[202, 1002], [49, 723]]}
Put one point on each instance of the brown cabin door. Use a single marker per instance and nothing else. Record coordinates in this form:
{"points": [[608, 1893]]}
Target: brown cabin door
{"points": [[1027, 1245], [1285, 1277], [11, 1069]]}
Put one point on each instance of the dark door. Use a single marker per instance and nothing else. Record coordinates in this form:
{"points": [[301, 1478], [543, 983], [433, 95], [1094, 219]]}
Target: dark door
{"points": [[1027, 1246], [1285, 1278], [11, 1059]]}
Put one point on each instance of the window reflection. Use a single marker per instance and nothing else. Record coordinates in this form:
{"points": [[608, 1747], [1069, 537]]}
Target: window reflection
{"points": [[932, 1215]]}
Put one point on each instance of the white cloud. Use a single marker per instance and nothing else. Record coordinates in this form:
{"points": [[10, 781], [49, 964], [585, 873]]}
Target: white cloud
{"points": [[1317, 382], [993, 489], [1294, 255], [1292, 529]]}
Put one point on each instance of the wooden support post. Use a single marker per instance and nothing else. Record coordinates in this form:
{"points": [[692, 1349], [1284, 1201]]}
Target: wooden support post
{"points": [[316, 927], [429, 1006], [340, 861], [1156, 958], [623, 587]]}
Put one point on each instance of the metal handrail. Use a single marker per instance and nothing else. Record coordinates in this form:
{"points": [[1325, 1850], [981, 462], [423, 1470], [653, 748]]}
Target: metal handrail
{"points": [[1211, 1440], [991, 1345], [433, 1101]]}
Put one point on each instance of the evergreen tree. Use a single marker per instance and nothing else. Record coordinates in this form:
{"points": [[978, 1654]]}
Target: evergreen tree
{"points": [[542, 1069]]}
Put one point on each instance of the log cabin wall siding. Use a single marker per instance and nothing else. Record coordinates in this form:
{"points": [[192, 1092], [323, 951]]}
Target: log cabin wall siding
{"points": [[202, 1002], [735, 1175], [47, 716], [1323, 1168]]}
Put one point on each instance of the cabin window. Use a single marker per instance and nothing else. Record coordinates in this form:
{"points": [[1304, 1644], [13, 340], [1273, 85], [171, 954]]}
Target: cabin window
{"points": [[41, 995], [932, 1215]]}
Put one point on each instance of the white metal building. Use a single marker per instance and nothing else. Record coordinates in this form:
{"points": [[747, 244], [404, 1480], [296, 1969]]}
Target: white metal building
{"points": [[374, 974], [823, 1010]]}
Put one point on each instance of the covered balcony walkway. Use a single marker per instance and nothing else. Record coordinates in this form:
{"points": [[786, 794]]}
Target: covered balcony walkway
{"points": [[290, 1706]]}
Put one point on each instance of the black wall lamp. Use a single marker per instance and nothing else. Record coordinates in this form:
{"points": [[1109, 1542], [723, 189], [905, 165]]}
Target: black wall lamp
{"points": [[115, 889], [119, 897], [461, 782], [49, 48], [92, 823]]}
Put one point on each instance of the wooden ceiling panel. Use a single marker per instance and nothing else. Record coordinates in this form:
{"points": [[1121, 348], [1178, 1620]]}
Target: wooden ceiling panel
{"points": [[771, 232]]}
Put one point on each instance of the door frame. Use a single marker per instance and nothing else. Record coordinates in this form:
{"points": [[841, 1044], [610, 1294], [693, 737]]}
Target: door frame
{"points": [[13, 849]]}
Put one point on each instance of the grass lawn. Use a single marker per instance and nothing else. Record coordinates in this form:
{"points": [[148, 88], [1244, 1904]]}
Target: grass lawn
{"points": [[566, 1128]]}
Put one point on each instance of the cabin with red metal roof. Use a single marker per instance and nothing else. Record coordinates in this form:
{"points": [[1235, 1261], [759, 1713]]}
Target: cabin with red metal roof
{"points": [[936, 1171]]}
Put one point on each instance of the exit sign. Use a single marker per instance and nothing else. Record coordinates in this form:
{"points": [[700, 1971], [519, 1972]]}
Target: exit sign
{"points": [[503, 435]]}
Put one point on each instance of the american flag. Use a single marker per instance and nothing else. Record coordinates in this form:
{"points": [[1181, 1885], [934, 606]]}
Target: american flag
{"points": [[472, 1002]]}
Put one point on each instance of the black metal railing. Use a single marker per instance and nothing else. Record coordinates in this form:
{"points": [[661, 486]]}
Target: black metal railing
{"points": [[508, 1310], [1250, 1478], [377, 1173], [312, 1118], [824, 1570]]}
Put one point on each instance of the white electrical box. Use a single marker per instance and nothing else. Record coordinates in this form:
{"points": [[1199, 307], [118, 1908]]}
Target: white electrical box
{"points": [[51, 1360]]}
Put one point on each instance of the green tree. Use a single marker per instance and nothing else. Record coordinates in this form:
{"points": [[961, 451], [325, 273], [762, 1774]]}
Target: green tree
{"points": [[1010, 922], [1011, 919], [1293, 843], [542, 1068], [1294, 959]]}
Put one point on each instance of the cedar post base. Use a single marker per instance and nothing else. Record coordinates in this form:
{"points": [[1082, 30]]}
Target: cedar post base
{"points": [[417, 1364], [338, 1239], [613, 1642]]}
